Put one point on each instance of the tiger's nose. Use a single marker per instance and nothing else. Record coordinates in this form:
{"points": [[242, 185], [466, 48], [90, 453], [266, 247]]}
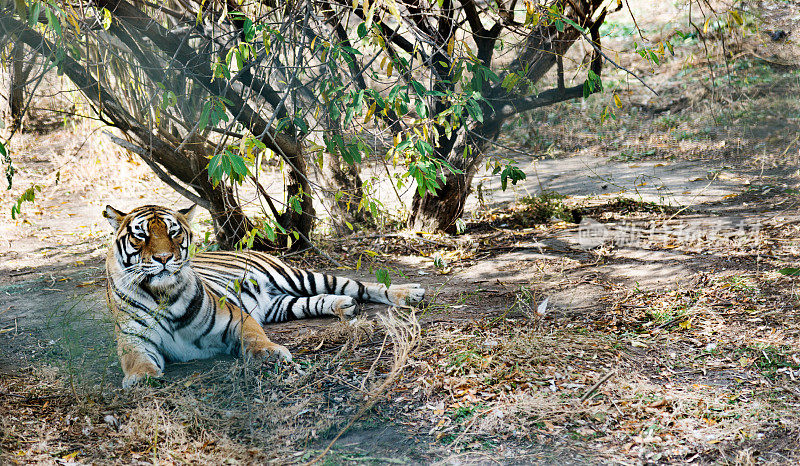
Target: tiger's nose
{"points": [[162, 257]]}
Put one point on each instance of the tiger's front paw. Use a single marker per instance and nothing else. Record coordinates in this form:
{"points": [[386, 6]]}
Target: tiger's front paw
{"points": [[272, 352], [132, 379], [406, 295]]}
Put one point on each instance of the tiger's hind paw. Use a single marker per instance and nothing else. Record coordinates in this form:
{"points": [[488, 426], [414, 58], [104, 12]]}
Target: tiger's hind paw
{"points": [[345, 306], [406, 295]]}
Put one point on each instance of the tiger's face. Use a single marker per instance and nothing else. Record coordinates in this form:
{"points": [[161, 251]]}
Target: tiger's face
{"points": [[151, 243]]}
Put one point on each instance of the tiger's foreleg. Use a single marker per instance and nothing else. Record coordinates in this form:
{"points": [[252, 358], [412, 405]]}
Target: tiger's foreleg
{"points": [[138, 360], [137, 348], [407, 294], [250, 336]]}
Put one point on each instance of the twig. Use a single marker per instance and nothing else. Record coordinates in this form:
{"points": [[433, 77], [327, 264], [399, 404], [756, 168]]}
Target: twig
{"points": [[597, 385], [633, 17], [320, 251], [600, 52]]}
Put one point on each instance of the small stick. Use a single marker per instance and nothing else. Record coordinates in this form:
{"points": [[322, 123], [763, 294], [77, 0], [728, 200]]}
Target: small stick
{"points": [[597, 385]]}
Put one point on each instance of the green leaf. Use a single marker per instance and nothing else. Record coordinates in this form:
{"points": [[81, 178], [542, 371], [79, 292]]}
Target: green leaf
{"points": [[573, 24], [220, 70], [393, 93], [217, 112], [226, 163], [238, 168], [474, 110], [33, 15], [592, 84], [352, 51], [249, 30], [270, 232], [418, 88], [510, 81], [28, 196], [422, 109], [512, 173], [491, 74], [301, 124], [106, 21], [790, 271], [348, 116], [204, 114], [169, 99], [424, 147], [53, 22], [358, 102], [403, 145], [295, 203], [382, 276]]}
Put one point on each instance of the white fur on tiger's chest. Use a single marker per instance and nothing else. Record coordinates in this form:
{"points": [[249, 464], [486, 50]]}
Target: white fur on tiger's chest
{"points": [[199, 337], [181, 346]]}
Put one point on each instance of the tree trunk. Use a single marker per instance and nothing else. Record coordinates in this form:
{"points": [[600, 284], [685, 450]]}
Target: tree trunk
{"points": [[11, 89], [439, 212], [301, 222], [188, 166], [540, 53], [346, 194]]}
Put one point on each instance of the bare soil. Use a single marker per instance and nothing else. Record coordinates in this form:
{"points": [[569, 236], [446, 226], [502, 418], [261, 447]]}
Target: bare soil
{"points": [[667, 336]]}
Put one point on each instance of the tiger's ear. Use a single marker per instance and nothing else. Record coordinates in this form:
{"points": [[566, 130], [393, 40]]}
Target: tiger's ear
{"points": [[188, 213], [114, 216]]}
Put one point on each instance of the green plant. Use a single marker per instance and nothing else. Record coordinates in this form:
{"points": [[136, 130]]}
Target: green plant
{"points": [[463, 413], [632, 156], [544, 207]]}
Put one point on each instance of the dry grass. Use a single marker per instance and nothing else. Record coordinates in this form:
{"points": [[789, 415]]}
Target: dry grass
{"points": [[231, 410]]}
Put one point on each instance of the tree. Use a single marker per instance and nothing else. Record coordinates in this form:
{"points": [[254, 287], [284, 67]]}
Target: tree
{"points": [[159, 88], [205, 92], [12, 86], [444, 53]]}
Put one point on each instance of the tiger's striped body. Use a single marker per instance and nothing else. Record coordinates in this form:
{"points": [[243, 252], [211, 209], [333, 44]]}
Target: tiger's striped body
{"points": [[168, 308], [272, 291]]}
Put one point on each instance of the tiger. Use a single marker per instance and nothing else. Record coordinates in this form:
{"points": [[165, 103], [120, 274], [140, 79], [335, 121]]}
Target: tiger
{"points": [[171, 307]]}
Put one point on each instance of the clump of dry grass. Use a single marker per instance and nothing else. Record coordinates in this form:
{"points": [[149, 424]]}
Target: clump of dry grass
{"points": [[404, 331], [347, 333]]}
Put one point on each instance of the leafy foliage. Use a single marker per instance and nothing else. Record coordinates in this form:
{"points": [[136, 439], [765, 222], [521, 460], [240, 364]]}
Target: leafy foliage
{"points": [[218, 90], [28, 196]]}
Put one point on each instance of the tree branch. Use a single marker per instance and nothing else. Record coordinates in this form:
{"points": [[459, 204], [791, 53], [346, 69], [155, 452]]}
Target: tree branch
{"points": [[199, 68], [162, 175]]}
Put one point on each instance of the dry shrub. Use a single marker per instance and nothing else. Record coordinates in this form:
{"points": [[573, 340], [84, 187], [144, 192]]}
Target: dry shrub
{"points": [[348, 333], [404, 332]]}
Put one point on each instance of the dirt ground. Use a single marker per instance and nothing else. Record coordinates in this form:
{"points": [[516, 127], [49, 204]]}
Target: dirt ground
{"points": [[631, 302]]}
